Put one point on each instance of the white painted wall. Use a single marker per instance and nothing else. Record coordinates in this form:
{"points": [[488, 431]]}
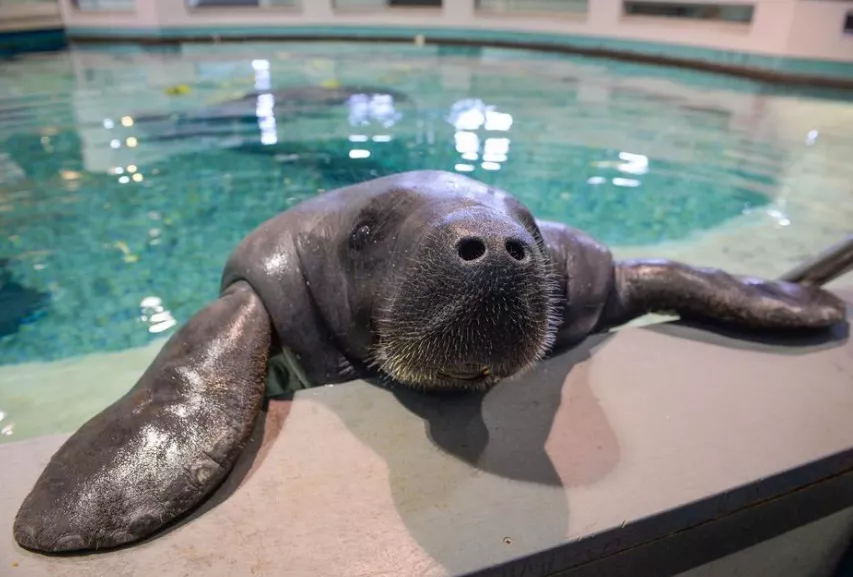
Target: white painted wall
{"points": [[781, 27], [819, 30]]}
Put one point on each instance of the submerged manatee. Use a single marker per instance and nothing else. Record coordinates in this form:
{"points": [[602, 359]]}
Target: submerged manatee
{"points": [[431, 279], [18, 303], [282, 104]]}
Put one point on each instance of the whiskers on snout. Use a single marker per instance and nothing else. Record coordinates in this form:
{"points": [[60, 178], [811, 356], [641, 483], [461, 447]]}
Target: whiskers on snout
{"points": [[469, 330]]}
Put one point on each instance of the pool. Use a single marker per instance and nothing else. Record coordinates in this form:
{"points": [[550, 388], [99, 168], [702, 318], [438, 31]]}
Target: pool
{"points": [[128, 174]]}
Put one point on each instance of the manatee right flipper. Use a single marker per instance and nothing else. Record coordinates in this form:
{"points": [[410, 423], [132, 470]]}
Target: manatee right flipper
{"points": [[157, 452], [712, 295]]}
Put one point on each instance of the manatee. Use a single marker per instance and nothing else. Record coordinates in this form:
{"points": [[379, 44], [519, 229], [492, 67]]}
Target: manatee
{"points": [[18, 303], [423, 279], [283, 104]]}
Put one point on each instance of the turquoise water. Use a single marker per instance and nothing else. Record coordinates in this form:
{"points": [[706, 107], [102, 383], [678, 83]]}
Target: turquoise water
{"points": [[127, 175]]}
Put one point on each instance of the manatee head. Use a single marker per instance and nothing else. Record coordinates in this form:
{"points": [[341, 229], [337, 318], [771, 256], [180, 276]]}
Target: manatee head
{"points": [[455, 280]]}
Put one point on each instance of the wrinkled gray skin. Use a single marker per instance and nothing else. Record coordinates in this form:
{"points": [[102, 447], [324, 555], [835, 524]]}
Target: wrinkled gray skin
{"points": [[430, 278]]}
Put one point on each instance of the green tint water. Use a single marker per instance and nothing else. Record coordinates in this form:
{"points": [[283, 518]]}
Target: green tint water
{"points": [[117, 212]]}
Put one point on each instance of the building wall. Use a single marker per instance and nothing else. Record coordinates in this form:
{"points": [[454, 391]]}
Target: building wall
{"points": [[791, 28], [22, 15]]}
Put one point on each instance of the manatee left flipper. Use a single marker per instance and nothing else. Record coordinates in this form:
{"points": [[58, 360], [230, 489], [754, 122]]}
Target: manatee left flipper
{"points": [[154, 454], [712, 295]]}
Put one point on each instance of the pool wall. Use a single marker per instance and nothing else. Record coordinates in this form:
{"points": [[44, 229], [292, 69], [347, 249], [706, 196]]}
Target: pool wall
{"points": [[786, 40]]}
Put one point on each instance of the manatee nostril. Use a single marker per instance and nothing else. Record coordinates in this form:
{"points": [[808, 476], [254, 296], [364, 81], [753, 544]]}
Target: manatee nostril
{"points": [[515, 249], [471, 248]]}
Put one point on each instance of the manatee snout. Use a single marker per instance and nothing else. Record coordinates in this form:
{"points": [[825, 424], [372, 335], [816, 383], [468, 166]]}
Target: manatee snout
{"points": [[478, 247], [492, 262], [474, 305]]}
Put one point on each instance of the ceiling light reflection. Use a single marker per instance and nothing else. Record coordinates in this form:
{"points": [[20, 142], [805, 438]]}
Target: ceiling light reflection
{"points": [[473, 114], [627, 182], [496, 149], [155, 315], [780, 217], [469, 116], [466, 142], [634, 163], [367, 108], [265, 106]]}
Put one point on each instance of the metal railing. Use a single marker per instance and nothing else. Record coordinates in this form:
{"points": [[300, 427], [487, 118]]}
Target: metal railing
{"points": [[827, 265]]}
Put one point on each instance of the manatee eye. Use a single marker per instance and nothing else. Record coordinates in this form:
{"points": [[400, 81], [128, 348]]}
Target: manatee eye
{"points": [[360, 237]]}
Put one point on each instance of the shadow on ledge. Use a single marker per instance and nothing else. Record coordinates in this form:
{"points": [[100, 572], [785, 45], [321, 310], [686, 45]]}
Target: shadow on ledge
{"points": [[505, 432], [778, 342], [505, 488]]}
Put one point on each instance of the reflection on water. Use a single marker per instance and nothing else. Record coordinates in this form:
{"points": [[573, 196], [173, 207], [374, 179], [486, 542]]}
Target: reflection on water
{"points": [[122, 196], [265, 109], [6, 429], [470, 117]]}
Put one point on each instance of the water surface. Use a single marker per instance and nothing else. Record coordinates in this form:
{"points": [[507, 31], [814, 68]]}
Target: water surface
{"points": [[127, 175]]}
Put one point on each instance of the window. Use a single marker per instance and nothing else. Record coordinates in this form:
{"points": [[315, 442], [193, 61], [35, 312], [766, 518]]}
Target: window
{"points": [[421, 3], [104, 5], [555, 6], [241, 3], [719, 12], [379, 4]]}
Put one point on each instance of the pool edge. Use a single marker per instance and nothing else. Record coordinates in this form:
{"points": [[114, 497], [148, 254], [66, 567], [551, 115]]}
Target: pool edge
{"points": [[768, 69]]}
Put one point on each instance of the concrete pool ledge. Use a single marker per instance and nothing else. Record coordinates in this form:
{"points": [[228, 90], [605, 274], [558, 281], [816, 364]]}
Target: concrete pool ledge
{"points": [[649, 451]]}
